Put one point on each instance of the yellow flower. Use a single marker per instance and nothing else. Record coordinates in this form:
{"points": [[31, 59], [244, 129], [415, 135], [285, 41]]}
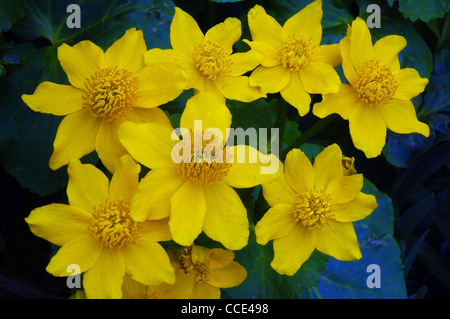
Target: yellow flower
{"points": [[313, 207], [96, 232], [294, 64], [197, 192], [208, 58], [107, 89], [379, 93], [200, 273]]}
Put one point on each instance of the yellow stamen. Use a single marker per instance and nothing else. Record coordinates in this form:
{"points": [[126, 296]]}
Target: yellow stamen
{"points": [[203, 168], [110, 93], [200, 270], [112, 225], [375, 84], [295, 51], [313, 208], [211, 60]]}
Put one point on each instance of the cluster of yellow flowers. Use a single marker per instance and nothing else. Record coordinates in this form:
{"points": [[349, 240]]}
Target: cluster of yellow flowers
{"points": [[113, 228]]}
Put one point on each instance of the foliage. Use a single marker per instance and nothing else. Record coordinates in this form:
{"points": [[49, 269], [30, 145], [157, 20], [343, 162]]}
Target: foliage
{"points": [[408, 234]]}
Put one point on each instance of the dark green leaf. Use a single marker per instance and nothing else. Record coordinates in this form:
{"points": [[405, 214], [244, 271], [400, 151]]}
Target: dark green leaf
{"points": [[410, 219], [423, 10], [10, 13]]}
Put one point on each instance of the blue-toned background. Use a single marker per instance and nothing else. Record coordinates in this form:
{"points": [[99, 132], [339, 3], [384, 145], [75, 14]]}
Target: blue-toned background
{"points": [[408, 234]]}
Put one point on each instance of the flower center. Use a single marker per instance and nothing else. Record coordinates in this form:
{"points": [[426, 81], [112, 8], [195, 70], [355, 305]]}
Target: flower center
{"points": [[110, 93], [313, 208], [211, 60], [375, 83], [199, 270], [205, 166], [295, 51], [112, 225]]}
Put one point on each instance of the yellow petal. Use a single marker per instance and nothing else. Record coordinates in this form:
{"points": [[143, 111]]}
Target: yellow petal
{"points": [[238, 88], [81, 61], [226, 217], [56, 99], [206, 110], [148, 263], [75, 137], [359, 208], [270, 79], [182, 289], [343, 103], [87, 185], [400, 117], [329, 53], [291, 251], [230, 276], [251, 167], [152, 197], [220, 258], [386, 50], [244, 62], [410, 84], [108, 146], [299, 171], [187, 213], [319, 78], [149, 143], [125, 179], [361, 49], [276, 223], [156, 230], [58, 223], [105, 279], [344, 189], [307, 22], [225, 34], [327, 166], [278, 192], [159, 84], [153, 115], [128, 51], [204, 291], [185, 33], [271, 57], [295, 94], [347, 65], [263, 27], [339, 241], [82, 251], [368, 129]]}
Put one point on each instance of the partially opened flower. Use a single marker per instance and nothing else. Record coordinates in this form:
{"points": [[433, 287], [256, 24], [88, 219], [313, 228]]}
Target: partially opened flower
{"points": [[96, 232], [190, 181], [208, 58], [313, 207], [294, 64], [106, 89], [379, 91], [200, 273]]}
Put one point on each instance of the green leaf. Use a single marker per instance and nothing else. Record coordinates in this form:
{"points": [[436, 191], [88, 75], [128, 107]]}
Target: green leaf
{"points": [[10, 13], [422, 10], [102, 22], [347, 279], [410, 219], [263, 282]]}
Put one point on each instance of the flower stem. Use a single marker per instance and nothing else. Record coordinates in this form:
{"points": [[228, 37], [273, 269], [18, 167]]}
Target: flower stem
{"points": [[308, 134]]}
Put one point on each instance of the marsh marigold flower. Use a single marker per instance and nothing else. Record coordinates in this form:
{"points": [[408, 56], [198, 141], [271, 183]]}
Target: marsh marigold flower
{"points": [[208, 58], [196, 192], [96, 232], [379, 92], [200, 273], [106, 89], [294, 64], [313, 207]]}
